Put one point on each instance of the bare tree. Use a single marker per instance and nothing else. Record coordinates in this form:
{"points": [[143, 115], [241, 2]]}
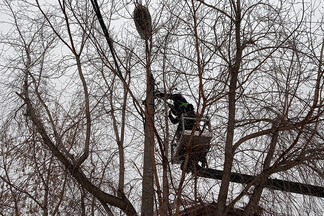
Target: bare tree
{"points": [[72, 123], [261, 75], [64, 129]]}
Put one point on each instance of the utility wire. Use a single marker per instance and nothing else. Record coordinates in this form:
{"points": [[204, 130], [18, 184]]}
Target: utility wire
{"points": [[105, 31], [109, 41]]}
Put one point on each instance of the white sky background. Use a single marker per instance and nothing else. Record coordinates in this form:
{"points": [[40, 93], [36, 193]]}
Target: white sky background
{"points": [[126, 24], [118, 26]]}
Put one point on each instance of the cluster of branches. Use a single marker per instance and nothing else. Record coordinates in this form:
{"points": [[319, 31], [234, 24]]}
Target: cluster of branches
{"points": [[72, 129]]}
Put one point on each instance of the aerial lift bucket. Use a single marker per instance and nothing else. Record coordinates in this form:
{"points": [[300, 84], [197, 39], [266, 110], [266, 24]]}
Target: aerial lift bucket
{"points": [[199, 143]]}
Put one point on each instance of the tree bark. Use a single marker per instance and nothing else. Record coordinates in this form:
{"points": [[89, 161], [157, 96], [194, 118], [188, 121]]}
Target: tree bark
{"points": [[229, 153], [147, 185]]}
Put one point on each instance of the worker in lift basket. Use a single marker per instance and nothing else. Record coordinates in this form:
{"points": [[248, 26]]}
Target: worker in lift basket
{"points": [[181, 107]]}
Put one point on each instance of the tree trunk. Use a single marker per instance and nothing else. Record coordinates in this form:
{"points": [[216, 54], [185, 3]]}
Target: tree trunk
{"points": [[229, 153], [147, 185]]}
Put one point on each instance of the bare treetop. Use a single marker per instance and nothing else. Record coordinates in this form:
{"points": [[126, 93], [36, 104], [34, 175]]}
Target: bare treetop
{"points": [[74, 125]]}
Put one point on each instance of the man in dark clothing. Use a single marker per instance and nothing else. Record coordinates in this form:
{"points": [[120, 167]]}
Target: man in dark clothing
{"points": [[179, 107]]}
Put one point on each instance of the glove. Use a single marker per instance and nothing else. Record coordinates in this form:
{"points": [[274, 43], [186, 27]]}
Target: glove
{"points": [[159, 94]]}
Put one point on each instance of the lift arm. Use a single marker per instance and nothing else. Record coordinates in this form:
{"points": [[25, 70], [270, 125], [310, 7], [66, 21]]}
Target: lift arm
{"points": [[274, 184]]}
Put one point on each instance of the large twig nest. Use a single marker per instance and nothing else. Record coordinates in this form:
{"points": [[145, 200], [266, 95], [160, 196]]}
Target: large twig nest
{"points": [[143, 22]]}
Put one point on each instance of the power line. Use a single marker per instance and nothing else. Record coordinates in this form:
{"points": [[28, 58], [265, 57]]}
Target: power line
{"points": [[105, 31]]}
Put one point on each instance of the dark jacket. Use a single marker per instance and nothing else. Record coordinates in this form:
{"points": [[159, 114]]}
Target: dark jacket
{"points": [[180, 107]]}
